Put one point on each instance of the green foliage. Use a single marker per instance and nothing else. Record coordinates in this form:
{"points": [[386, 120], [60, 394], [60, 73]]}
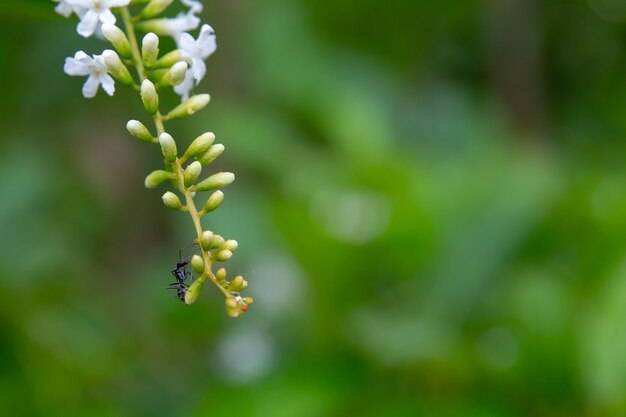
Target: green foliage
{"points": [[409, 253]]}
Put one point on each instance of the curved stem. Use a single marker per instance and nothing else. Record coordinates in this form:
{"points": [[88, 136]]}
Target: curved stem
{"points": [[160, 127]]}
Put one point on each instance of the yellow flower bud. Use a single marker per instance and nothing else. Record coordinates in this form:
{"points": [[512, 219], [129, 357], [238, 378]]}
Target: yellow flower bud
{"points": [[158, 177], [223, 255], [154, 8], [213, 201], [193, 291], [206, 240]]}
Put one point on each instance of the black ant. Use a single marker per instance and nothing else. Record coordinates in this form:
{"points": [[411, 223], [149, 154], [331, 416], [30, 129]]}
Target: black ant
{"points": [[181, 274]]}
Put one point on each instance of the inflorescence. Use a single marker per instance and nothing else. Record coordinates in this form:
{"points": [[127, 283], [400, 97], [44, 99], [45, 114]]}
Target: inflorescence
{"points": [[181, 69]]}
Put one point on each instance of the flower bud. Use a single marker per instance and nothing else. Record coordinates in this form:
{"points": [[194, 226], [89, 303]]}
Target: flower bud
{"points": [[154, 8], [213, 201], [200, 145], [210, 155], [149, 97], [193, 291], [197, 263], [172, 201], [223, 255], [248, 300], [116, 68], [217, 241], [219, 180], [150, 49], [238, 284], [220, 275], [168, 146], [206, 239], [118, 39], [175, 75], [232, 303], [139, 131], [192, 172], [158, 177], [170, 58], [231, 245], [189, 106]]}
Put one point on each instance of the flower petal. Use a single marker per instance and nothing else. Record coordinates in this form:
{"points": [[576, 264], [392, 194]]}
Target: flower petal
{"points": [[108, 85], [199, 69], [90, 88], [106, 17], [88, 23]]}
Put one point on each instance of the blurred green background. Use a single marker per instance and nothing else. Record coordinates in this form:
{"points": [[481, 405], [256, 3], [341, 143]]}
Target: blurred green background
{"points": [[430, 204]]}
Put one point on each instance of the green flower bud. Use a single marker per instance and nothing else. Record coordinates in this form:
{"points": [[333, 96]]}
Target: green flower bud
{"points": [[213, 201], [171, 200], [238, 284], [193, 291], [168, 146], [116, 68], [149, 97], [175, 75], [158, 177], [192, 172], [223, 255], [219, 180], [150, 49], [248, 300], [118, 39], [200, 145], [231, 245], [189, 107], [139, 131], [210, 155], [220, 275], [197, 263], [217, 241], [154, 8], [170, 58], [206, 239]]}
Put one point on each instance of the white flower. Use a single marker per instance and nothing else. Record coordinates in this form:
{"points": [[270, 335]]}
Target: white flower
{"points": [[195, 6], [196, 51], [97, 11], [82, 64], [66, 9], [183, 22]]}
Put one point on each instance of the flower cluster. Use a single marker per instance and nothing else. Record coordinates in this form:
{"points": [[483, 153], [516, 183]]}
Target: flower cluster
{"points": [[181, 69]]}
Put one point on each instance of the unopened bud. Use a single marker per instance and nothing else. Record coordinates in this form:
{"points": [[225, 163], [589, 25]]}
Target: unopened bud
{"points": [[219, 180], [197, 263], [154, 8], [213, 201], [231, 245], [200, 145], [217, 241], [248, 300], [175, 75], [193, 291], [192, 172], [221, 275], [168, 146], [139, 131], [172, 201], [149, 97], [116, 68], [189, 107], [170, 58], [206, 239], [238, 284], [118, 39], [210, 155], [223, 255], [150, 49], [156, 178]]}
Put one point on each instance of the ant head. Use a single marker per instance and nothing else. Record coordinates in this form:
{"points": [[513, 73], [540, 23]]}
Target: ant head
{"points": [[181, 263]]}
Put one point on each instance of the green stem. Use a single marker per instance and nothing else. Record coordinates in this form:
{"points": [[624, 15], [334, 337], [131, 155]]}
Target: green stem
{"points": [[160, 127]]}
